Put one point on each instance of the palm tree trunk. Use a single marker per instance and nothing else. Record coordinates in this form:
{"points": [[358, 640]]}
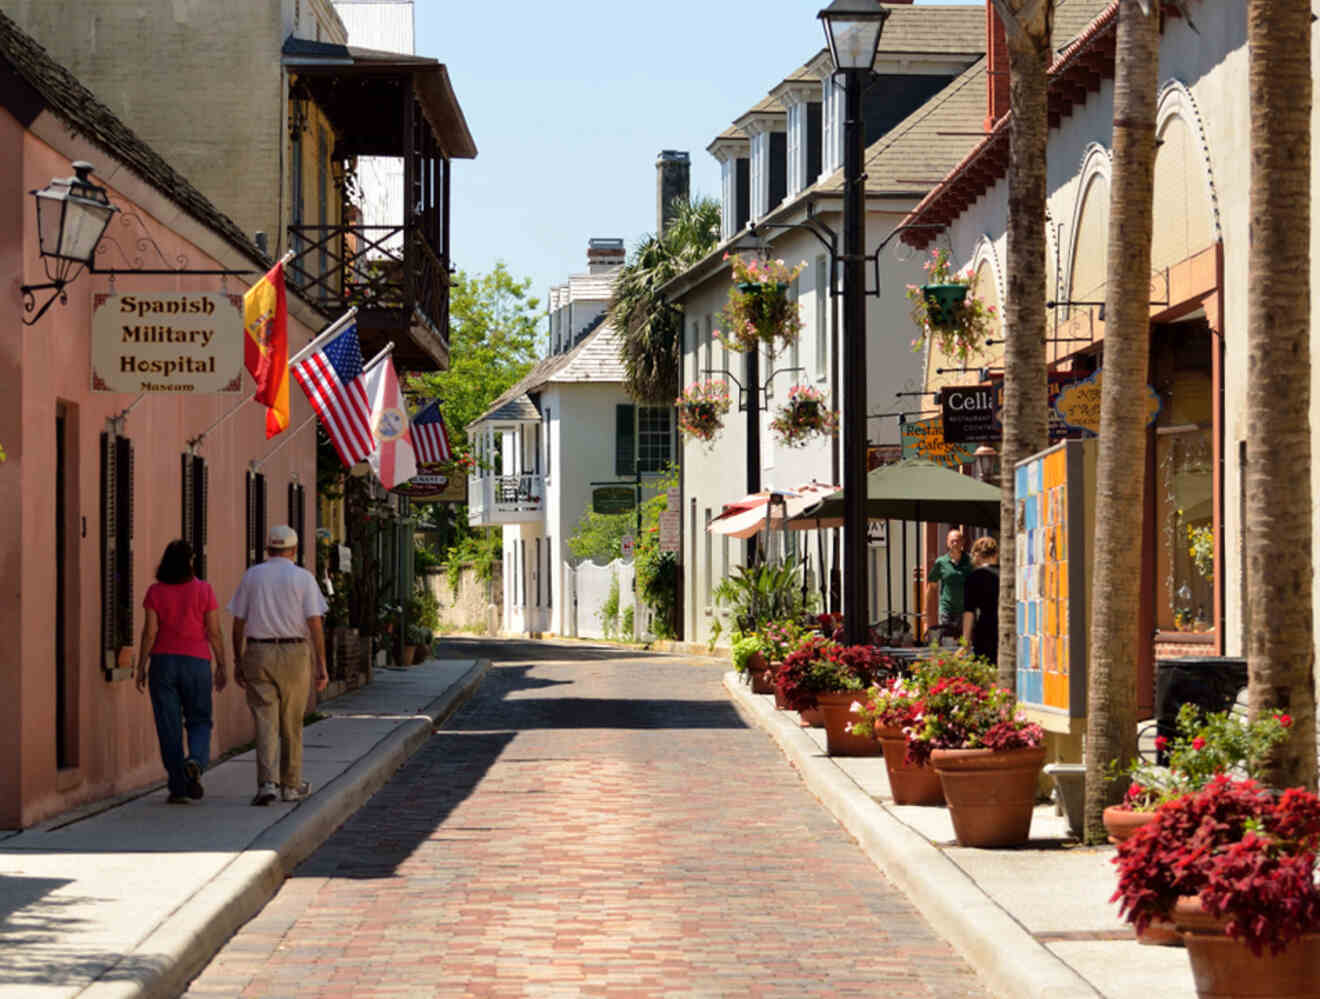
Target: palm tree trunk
{"points": [[1111, 730], [1280, 649], [1027, 25]]}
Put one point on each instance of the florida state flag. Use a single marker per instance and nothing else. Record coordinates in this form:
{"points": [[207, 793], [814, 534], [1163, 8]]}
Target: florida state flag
{"points": [[266, 347], [394, 460]]}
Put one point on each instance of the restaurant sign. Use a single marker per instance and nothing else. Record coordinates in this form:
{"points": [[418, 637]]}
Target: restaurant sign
{"points": [[434, 483], [167, 342], [969, 414], [1078, 405], [925, 439]]}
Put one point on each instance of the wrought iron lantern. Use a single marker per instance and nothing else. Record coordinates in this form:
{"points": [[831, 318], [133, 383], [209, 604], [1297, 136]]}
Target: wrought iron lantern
{"points": [[72, 215], [852, 31]]}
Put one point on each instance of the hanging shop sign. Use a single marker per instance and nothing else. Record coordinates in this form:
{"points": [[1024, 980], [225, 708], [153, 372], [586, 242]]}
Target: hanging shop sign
{"points": [[1078, 405], [969, 414], [671, 530], [925, 439], [434, 483], [613, 499], [167, 342]]}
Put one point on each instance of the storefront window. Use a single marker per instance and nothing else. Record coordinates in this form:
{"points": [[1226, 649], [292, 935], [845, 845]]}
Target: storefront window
{"points": [[1184, 479]]}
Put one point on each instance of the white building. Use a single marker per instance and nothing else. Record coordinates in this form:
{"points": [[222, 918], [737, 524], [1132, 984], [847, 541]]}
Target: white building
{"points": [[565, 429], [781, 165]]}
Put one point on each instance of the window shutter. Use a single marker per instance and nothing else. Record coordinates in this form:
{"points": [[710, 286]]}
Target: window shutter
{"points": [[250, 517], [260, 518], [109, 540], [297, 497], [201, 506], [624, 444], [123, 610]]}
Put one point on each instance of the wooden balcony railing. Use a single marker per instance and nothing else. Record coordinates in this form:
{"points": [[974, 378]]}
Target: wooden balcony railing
{"points": [[389, 268]]}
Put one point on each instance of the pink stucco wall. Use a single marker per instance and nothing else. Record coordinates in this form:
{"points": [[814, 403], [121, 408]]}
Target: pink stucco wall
{"points": [[49, 364]]}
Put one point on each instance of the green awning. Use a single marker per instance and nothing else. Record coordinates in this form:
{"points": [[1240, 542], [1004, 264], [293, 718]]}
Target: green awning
{"points": [[914, 490]]}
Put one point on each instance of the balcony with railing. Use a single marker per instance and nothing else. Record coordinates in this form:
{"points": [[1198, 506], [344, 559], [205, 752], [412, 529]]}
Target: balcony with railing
{"points": [[505, 499], [389, 254]]}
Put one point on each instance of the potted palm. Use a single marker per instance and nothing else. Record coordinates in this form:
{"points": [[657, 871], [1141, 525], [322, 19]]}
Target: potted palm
{"points": [[1233, 866], [947, 309], [987, 756]]}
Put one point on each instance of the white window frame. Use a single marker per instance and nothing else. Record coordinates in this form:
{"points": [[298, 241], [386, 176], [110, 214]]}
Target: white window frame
{"points": [[760, 174], [831, 139], [822, 318], [797, 161], [728, 197]]}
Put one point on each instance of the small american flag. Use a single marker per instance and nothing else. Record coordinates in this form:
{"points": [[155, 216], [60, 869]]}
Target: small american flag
{"points": [[332, 379], [430, 438]]}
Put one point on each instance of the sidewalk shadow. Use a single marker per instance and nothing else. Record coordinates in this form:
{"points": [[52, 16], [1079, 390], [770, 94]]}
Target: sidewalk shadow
{"points": [[33, 924]]}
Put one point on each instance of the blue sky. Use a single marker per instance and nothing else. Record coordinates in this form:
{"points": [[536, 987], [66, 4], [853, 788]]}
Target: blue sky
{"points": [[570, 103]]}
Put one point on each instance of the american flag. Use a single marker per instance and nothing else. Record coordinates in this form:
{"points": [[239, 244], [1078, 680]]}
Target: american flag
{"points": [[430, 438], [332, 379]]}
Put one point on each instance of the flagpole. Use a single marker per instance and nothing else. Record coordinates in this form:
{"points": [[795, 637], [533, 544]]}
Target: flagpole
{"points": [[269, 454], [325, 335], [285, 259]]}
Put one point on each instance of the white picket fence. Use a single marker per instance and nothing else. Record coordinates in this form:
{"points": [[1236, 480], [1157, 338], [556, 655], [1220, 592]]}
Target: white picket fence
{"points": [[588, 590]]}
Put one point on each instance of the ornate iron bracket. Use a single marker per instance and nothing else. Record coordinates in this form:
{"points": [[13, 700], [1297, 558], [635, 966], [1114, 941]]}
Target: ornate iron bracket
{"points": [[146, 244]]}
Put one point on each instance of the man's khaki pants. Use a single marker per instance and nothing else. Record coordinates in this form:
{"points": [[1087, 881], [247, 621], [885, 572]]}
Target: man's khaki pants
{"points": [[278, 676]]}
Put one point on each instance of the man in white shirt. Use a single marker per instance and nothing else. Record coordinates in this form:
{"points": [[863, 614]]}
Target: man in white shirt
{"points": [[277, 609]]}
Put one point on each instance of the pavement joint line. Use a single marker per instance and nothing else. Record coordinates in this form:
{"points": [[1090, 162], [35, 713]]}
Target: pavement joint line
{"points": [[997, 945], [180, 944]]}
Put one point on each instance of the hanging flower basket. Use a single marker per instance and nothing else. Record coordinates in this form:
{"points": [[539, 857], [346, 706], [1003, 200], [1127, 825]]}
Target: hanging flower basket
{"points": [[947, 310], [760, 311], [804, 416], [701, 409]]}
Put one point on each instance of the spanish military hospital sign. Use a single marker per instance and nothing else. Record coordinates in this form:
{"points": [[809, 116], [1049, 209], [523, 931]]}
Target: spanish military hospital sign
{"points": [[168, 342]]}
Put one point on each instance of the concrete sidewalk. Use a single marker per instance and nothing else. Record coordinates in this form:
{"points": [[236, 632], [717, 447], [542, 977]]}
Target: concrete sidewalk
{"points": [[134, 899], [1035, 921]]}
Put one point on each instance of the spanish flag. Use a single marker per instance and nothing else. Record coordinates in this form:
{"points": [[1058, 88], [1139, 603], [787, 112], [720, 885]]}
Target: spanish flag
{"points": [[266, 346]]}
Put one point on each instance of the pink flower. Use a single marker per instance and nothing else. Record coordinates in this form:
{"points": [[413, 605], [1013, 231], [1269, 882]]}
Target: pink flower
{"points": [[1161, 743], [1198, 743]]}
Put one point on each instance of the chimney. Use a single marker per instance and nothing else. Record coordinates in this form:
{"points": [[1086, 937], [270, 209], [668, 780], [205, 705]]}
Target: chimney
{"points": [[672, 172], [604, 254], [996, 50]]}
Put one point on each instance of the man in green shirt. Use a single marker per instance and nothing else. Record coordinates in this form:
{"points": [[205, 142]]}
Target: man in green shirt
{"points": [[945, 582]]}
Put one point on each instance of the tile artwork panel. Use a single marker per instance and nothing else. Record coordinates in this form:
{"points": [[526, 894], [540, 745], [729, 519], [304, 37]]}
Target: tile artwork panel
{"points": [[1041, 583]]}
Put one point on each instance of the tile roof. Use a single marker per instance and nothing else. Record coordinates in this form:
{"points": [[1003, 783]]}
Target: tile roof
{"points": [[57, 89], [595, 359], [953, 30], [916, 153]]}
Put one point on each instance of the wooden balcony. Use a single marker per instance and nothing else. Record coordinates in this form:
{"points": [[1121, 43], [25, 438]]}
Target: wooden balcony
{"points": [[505, 499], [392, 274]]}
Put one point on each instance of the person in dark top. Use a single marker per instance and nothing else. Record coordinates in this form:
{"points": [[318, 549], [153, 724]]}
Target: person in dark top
{"points": [[980, 620]]}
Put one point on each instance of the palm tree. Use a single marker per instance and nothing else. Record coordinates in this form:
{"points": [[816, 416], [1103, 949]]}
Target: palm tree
{"points": [[1111, 728], [651, 328], [1028, 25], [1280, 648]]}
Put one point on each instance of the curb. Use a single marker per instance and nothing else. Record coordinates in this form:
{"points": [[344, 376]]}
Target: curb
{"points": [[1004, 954], [174, 953]]}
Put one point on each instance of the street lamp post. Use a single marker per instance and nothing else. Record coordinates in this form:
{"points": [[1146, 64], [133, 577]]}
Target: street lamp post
{"points": [[852, 32]]}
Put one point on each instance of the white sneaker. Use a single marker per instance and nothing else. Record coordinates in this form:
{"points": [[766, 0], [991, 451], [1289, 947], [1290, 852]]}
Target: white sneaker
{"points": [[298, 793], [266, 793]]}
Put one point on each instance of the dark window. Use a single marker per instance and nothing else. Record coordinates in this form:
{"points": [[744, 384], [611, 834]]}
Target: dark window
{"points": [[538, 572], [549, 575], [777, 180], [624, 442], [742, 198], [813, 142], [653, 438]]}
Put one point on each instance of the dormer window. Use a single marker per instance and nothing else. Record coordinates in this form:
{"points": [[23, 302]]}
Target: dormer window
{"points": [[831, 126], [769, 158], [802, 147], [735, 182]]}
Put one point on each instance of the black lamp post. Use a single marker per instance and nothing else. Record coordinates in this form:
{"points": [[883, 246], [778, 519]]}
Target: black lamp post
{"points": [[852, 31], [72, 215]]}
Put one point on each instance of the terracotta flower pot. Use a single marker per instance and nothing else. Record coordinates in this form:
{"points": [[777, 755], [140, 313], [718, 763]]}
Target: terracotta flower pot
{"points": [[908, 783], [762, 681], [1121, 823], [1223, 967], [990, 792], [838, 718], [812, 718], [407, 653]]}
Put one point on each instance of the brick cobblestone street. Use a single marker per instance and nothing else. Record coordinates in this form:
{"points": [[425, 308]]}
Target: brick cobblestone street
{"points": [[593, 822]]}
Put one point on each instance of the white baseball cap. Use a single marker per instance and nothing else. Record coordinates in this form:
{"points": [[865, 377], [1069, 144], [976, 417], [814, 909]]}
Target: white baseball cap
{"points": [[282, 536]]}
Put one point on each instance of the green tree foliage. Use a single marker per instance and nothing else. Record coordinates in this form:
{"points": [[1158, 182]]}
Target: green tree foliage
{"points": [[652, 328], [494, 339]]}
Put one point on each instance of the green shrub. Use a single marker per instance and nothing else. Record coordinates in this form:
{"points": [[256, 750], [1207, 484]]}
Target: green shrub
{"points": [[609, 610], [627, 629]]}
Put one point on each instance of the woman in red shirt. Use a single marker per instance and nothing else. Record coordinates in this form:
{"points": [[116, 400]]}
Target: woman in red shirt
{"points": [[181, 630]]}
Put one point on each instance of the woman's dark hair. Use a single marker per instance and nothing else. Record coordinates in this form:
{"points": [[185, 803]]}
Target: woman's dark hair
{"points": [[176, 565]]}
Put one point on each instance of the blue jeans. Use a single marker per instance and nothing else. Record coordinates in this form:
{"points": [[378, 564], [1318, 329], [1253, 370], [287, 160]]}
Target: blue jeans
{"points": [[181, 698]]}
